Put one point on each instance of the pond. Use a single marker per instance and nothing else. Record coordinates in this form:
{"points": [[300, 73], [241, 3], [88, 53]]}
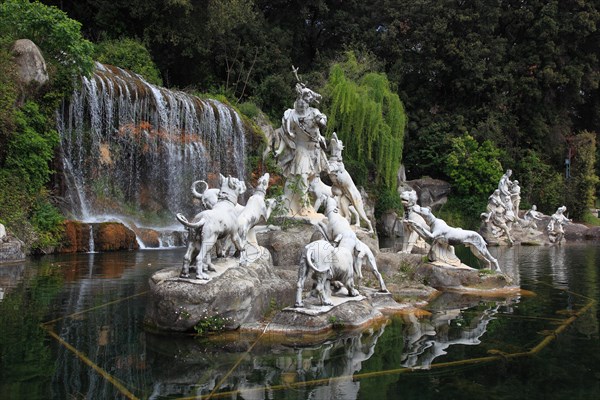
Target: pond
{"points": [[71, 327]]}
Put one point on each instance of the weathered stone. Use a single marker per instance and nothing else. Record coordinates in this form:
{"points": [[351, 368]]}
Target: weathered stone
{"points": [[431, 192], [349, 314], [388, 225], [76, 237], [286, 245], [593, 233], [11, 249], [149, 237], [237, 296], [31, 66], [575, 231], [111, 236], [443, 277]]}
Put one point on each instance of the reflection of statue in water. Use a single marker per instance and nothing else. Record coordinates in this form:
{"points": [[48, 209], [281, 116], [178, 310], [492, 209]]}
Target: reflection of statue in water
{"points": [[302, 158], [430, 337], [555, 226]]}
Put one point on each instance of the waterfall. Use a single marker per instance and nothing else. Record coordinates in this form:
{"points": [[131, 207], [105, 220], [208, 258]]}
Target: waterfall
{"points": [[132, 149], [91, 241]]}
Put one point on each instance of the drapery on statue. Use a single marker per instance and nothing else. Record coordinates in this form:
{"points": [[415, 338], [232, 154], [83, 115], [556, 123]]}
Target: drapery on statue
{"points": [[302, 158], [555, 226]]}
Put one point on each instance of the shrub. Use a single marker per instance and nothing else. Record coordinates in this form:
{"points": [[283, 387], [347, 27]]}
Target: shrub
{"points": [[129, 54], [58, 36]]}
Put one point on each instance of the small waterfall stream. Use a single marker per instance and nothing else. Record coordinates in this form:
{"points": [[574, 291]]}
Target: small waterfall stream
{"points": [[131, 150]]}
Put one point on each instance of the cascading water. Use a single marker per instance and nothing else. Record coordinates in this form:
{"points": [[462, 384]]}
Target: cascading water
{"points": [[132, 149]]}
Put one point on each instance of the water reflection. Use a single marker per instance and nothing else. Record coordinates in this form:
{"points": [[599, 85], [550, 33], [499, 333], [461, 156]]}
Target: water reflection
{"points": [[96, 303], [196, 368], [10, 276], [428, 338]]}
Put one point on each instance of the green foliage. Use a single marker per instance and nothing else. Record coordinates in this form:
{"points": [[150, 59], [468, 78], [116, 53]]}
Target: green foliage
{"points": [[386, 200], [58, 36], [32, 147], [8, 97], [129, 54], [249, 109], [540, 184], [210, 324], [581, 186], [24, 205], [463, 211], [370, 119], [473, 168]]}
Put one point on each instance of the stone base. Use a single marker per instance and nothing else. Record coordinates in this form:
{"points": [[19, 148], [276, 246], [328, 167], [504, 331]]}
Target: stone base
{"points": [[463, 278], [233, 296], [11, 250], [345, 313]]}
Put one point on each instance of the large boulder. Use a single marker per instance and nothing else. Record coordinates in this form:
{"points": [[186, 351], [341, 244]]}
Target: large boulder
{"points": [[462, 278], [31, 66], [76, 237], [431, 192], [11, 249], [112, 236], [233, 296]]}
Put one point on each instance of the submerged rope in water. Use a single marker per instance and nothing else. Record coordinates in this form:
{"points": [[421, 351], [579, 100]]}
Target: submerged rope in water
{"points": [[497, 356]]}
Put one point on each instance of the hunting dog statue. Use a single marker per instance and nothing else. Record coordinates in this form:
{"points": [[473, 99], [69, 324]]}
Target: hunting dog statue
{"points": [[444, 236], [327, 263], [257, 209], [343, 185], [211, 225]]}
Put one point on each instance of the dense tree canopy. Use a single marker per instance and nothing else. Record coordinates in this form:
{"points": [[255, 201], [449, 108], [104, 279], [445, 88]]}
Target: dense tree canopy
{"points": [[523, 75]]}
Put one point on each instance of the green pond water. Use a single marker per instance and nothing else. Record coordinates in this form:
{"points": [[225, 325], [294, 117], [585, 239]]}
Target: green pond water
{"points": [[71, 327]]}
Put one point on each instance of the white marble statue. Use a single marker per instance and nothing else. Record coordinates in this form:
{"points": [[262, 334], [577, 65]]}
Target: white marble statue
{"points": [[338, 231], [498, 216], [210, 225], [515, 197], [208, 197], [327, 263], [342, 184], [555, 227], [3, 235], [443, 236], [411, 238], [257, 209], [301, 155], [504, 186], [531, 216], [503, 211]]}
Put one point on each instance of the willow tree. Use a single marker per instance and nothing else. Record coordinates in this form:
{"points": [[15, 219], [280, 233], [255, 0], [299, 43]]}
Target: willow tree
{"points": [[370, 119]]}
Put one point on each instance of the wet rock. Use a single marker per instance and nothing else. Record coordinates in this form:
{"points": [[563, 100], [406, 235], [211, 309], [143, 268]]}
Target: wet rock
{"points": [[76, 236], [285, 245], [444, 277], [593, 233], [575, 231], [149, 237], [112, 236], [389, 225]]}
